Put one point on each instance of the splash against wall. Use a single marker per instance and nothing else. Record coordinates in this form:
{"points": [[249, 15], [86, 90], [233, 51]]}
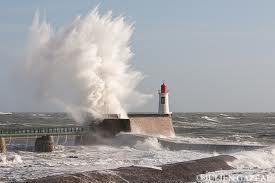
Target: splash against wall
{"points": [[84, 67]]}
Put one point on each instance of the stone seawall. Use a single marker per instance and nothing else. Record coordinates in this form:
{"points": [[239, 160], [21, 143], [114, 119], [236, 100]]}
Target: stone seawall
{"points": [[152, 124]]}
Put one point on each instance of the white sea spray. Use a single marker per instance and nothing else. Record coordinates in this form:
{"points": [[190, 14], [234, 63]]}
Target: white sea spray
{"points": [[84, 67]]}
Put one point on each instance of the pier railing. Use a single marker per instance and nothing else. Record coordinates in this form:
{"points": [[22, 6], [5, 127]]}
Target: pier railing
{"points": [[41, 131]]}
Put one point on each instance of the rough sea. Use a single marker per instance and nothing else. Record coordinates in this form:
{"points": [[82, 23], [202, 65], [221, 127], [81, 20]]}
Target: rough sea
{"points": [[21, 162]]}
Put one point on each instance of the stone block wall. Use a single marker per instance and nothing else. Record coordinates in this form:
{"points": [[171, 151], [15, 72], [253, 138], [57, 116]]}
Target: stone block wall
{"points": [[152, 124]]}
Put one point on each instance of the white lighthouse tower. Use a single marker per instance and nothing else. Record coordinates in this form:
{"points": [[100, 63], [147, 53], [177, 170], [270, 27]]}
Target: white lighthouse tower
{"points": [[163, 100]]}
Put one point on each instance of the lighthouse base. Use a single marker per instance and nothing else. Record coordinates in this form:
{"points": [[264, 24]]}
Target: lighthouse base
{"points": [[152, 124]]}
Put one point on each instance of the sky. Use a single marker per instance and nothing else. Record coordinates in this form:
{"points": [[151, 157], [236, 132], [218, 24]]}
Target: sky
{"points": [[215, 56]]}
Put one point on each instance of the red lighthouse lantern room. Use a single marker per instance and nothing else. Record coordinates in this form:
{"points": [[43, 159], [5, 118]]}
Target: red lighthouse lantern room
{"points": [[163, 88]]}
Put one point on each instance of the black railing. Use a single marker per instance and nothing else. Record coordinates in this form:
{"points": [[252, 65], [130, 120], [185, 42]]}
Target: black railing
{"points": [[35, 131]]}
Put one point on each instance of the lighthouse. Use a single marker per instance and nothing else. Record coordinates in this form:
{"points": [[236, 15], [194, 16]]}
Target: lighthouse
{"points": [[163, 100]]}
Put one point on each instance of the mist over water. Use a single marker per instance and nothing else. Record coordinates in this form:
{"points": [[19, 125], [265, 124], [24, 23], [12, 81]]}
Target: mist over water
{"points": [[83, 67]]}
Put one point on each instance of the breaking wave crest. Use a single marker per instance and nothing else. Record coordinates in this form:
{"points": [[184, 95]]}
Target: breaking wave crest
{"points": [[214, 119], [148, 144], [262, 158]]}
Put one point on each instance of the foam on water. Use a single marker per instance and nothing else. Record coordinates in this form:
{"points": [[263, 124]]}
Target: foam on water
{"points": [[145, 151], [133, 149], [230, 140], [148, 143], [225, 115], [10, 159], [250, 166], [262, 158], [229, 117], [214, 119], [70, 159]]}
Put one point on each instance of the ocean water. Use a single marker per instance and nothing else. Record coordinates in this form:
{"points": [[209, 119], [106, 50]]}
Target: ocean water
{"points": [[21, 162]]}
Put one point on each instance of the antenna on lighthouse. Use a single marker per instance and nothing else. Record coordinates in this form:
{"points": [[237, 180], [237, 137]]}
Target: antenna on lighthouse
{"points": [[163, 100]]}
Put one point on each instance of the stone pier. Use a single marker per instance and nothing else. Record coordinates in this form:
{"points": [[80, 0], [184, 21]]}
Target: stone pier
{"points": [[3, 148], [44, 144], [140, 123]]}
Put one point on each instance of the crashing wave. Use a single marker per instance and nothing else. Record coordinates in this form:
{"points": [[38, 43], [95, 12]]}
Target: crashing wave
{"points": [[5, 113], [210, 119]]}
